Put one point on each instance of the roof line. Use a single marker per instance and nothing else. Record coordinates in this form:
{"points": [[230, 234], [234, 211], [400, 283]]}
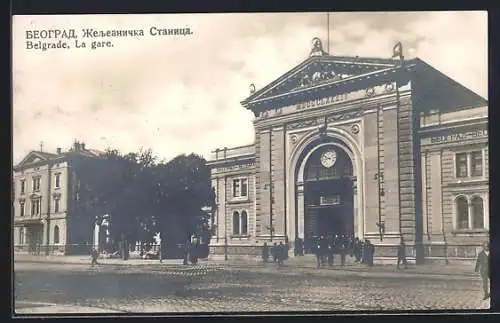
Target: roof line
{"points": [[322, 85]]}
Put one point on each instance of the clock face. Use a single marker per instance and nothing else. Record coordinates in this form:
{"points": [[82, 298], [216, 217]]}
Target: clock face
{"points": [[328, 158]]}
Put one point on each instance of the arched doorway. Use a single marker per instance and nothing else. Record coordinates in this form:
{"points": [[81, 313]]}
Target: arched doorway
{"points": [[328, 194], [325, 185]]}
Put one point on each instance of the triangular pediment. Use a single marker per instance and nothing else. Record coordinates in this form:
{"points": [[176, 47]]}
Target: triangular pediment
{"points": [[318, 70], [34, 157]]}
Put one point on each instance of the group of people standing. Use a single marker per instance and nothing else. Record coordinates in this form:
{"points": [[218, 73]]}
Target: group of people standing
{"points": [[277, 252], [325, 249]]}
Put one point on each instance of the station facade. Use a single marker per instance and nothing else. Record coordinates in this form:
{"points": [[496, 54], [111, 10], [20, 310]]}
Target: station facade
{"points": [[372, 147]]}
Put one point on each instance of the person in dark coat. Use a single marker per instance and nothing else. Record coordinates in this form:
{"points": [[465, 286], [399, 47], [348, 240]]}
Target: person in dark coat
{"points": [[343, 249], [94, 255], [323, 241], [300, 247], [483, 267], [402, 254], [331, 243], [281, 253], [265, 253], [370, 252], [318, 251], [358, 248], [274, 252]]}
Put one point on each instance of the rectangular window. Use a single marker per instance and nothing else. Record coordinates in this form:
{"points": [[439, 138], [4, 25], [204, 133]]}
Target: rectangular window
{"points": [[21, 209], [240, 187], [58, 180], [477, 163], [461, 165], [35, 207], [23, 186], [56, 205], [36, 184]]}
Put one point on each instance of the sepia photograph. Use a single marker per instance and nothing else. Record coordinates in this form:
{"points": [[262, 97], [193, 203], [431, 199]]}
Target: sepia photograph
{"points": [[250, 163]]}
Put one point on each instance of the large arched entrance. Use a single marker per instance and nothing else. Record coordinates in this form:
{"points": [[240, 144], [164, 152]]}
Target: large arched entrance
{"points": [[324, 192], [328, 193]]}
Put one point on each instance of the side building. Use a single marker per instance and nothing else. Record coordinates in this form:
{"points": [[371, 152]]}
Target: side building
{"points": [[47, 216], [377, 148]]}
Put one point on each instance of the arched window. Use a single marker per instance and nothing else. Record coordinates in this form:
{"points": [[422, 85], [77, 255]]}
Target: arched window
{"points": [[56, 234], [244, 223], [236, 223], [477, 212], [462, 212], [21, 235]]}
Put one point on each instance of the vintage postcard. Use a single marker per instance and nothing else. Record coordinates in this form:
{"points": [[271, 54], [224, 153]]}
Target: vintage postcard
{"points": [[250, 163]]}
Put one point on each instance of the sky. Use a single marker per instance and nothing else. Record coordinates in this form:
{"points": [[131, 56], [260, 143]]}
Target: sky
{"points": [[181, 94]]}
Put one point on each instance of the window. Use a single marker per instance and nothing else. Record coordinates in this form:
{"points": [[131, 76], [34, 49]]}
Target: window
{"points": [[236, 223], [240, 187], [244, 223], [477, 163], [56, 234], [35, 207], [36, 184], [462, 213], [58, 180], [56, 205], [21, 235], [461, 160], [477, 213], [23, 186], [21, 208]]}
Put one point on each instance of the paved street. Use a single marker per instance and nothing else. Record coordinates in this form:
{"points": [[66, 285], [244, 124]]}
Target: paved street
{"points": [[208, 287]]}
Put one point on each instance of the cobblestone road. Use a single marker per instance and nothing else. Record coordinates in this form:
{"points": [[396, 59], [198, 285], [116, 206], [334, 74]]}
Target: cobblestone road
{"points": [[56, 288]]}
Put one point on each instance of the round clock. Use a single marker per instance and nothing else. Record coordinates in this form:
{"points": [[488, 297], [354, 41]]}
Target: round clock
{"points": [[328, 158]]}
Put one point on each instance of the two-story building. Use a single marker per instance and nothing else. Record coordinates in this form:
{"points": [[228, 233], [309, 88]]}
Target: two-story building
{"points": [[370, 147], [47, 218]]}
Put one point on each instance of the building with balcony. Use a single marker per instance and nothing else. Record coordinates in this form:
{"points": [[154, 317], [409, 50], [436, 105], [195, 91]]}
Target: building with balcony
{"points": [[47, 217]]}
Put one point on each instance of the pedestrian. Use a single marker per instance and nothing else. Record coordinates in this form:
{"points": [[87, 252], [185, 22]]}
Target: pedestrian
{"points": [[324, 243], [483, 267], [331, 250], [402, 254], [343, 249], [370, 252], [358, 248], [281, 253], [317, 251], [94, 254], [301, 247], [265, 253], [274, 252]]}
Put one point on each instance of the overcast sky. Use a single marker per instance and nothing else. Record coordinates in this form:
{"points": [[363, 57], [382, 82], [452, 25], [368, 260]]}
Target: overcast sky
{"points": [[181, 94]]}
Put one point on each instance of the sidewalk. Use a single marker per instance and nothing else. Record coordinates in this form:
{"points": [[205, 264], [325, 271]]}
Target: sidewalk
{"points": [[297, 265], [85, 260]]}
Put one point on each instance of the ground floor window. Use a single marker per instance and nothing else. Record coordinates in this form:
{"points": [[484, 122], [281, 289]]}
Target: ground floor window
{"points": [[462, 212], [56, 234], [470, 212], [21, 235], [477, 212], [240, 223]]}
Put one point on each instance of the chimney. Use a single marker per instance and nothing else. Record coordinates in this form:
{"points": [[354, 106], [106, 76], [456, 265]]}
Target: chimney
{"points": [[83, 146], [58, 151]]}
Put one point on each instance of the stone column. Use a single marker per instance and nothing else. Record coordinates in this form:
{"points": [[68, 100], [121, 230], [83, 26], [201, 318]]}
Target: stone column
{"points": [[300, 210], [471, 213], [357, 228], [97, 228]]}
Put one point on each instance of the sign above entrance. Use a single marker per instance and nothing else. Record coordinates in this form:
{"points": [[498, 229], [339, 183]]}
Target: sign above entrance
{"points": [[330, 100]]}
